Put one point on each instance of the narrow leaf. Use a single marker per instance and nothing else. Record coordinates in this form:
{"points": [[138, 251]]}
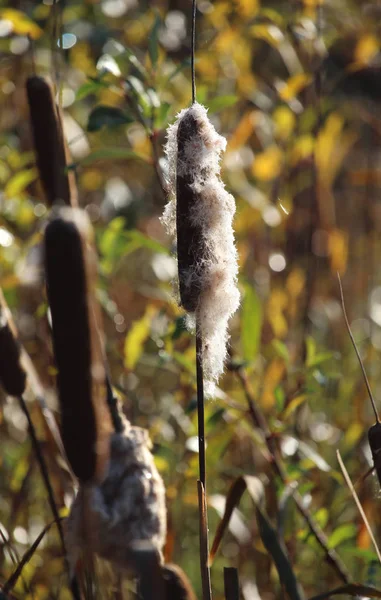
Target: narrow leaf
{"points": [[107, 116]]}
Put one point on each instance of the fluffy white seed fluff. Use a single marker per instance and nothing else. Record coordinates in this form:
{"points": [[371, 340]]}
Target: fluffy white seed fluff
{"points": [[213, 211], [128, 507]]}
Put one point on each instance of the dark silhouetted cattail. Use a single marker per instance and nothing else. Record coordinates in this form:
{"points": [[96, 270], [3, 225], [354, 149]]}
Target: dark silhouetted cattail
{"points": [[51, 150], [374, 437], [12, 374], [176, 583], [127, 508], [200, 213], [70, 265]]}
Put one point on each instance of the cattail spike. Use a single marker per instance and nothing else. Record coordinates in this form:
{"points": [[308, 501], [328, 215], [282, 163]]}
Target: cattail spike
{"points": [[71, 286], [51, 149], [12, 374], [200, 212]]}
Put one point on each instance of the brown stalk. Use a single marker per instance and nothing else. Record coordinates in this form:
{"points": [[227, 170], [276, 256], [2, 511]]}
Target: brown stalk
{"points": [[374, 432], [331, 556], [12, 372], [13, 378], [70, 265], [52, 153], [231, 583]]}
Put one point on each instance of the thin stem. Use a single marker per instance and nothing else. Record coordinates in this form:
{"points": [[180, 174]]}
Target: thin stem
{"points": [[357, 352], [259, 421], [202, 505], [193, 50], [48, 486], [200, 408]]}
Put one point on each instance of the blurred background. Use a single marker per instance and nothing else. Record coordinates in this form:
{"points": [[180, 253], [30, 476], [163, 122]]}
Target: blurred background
{"points": [[295, 86]]}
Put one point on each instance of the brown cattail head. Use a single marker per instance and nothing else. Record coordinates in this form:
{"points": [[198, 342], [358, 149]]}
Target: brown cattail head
{"points": [[51, 150], [123, 512], [12, 373], [70, 265], [200, 213], [177, 584], [191, 248], [374, 437]]}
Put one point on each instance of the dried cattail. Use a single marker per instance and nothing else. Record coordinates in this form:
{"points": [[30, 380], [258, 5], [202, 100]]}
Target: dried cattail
{"points": [[177, 584], [200, 212], [127, 507], [51, 150], [374, 437], [12, 373], [70, 265]]}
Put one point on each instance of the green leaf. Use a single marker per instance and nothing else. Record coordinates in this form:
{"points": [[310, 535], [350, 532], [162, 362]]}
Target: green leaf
{"points": [[90, 87], [140, 95], [278, 553], [161, 116], [281, 349], [107, 116], [132, 60], [117, 241], [153, 43], [343, 533], [221, 102], [183, 65], [251, 323]]}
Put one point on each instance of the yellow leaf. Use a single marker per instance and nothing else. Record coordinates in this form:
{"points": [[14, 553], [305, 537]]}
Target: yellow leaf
{"points": [[366, 49], [269, 33], [293, 86], [19, 182], [247, 8], [331, 147], [295, 282], [292, 406], [276, 306], [268, 164], [338, 250], [284, 122], [273, 376], [22, 25], [243, 130], [139, 332]]}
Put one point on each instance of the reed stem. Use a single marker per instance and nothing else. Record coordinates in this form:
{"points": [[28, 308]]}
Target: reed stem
{"points": [[202, 504]]}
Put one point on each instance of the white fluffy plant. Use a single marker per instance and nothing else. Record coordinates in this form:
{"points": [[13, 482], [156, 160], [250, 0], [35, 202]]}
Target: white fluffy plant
{"points": [[200, 214]]}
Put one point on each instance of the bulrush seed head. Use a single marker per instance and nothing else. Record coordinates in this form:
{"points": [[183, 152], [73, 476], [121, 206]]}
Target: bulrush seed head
{"points": [[51, 150], [12, 373], [70, 265], [127, 507], [200, 213], [374, 437]]}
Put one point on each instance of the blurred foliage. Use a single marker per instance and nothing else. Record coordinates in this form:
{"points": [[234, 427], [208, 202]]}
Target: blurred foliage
{"points": [[295, 87]]}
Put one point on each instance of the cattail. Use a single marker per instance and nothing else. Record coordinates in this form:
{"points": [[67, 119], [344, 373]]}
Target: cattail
{"points": [[200, 213], [176, 583], [51, 150], [127, 507], [374, 437], [70, 265], [12, 373]]}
